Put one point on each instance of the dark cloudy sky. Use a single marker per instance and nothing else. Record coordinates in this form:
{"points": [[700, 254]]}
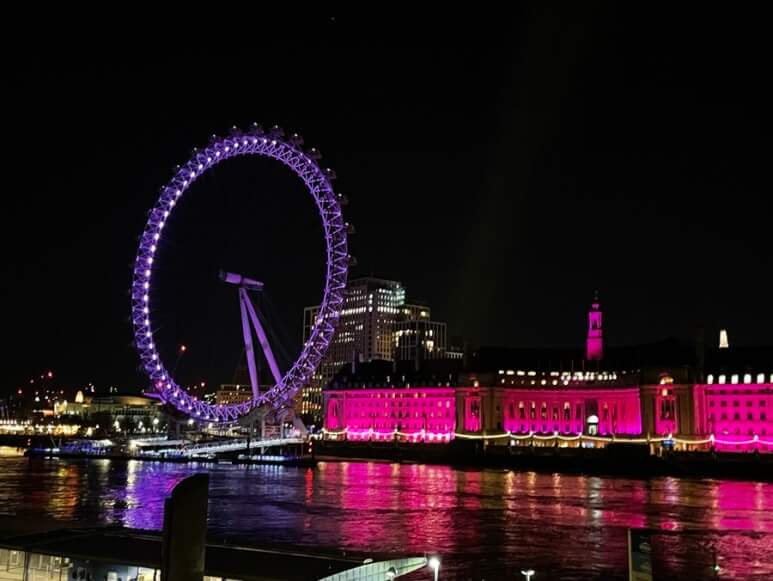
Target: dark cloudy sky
{"points": [[502, 167]]}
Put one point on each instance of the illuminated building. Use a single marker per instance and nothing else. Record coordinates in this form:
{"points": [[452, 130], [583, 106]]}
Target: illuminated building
{"points": [[594, 346], [379, 399], [231, 394], [126, 407], [365, 332], [549, 402], [646, 393], [734, 398], [417, 337], [376, 324], [738, 413]]}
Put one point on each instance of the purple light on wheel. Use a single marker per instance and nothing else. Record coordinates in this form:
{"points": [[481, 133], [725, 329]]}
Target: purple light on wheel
{"points": [[318, 183]]}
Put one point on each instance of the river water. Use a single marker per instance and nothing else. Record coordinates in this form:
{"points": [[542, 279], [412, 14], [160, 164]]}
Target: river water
{"points": [[485, 524]]}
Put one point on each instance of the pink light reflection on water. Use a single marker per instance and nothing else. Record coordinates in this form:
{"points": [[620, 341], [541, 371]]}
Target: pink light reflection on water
{"points": [[483, 523], [500, 515]]}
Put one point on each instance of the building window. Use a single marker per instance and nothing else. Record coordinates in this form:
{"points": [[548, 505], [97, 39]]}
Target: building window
{"points": [[567, 411], [737, 416], [544, 411], [521, 411], [533, 412], [667, 411], [735, 404], [711, 403], [555, 412], [750, 416], [762, 416]]}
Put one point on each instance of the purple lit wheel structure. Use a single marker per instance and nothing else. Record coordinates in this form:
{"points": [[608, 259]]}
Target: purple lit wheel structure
{"points": [[318, 182]]}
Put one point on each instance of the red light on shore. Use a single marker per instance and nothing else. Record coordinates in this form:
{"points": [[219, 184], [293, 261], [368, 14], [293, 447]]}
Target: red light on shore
{"points": [[50, 374], [19, 392], [183, 348]]}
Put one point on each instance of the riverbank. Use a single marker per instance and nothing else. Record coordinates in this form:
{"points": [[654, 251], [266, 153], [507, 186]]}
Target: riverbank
{"points": [[615, 460], [227, 458]]}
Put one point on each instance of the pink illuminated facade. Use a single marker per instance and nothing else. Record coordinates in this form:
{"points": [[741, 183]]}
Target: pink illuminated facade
{"points": [[656, 393], [578, 406], [738, 415], [594, 344], [425, 413], [521, 402], [571, 411]]}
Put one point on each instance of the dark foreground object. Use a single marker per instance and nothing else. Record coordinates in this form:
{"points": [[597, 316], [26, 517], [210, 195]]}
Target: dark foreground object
{"points": [[616, 459], [185, 530], [143, 549]]}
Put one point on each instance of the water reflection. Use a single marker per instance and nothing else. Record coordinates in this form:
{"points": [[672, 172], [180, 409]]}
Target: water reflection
{"points": [[483, 522]]}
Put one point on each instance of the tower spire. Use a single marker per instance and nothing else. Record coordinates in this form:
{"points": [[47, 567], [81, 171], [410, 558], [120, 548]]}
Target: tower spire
{"points": [[594, 346]]}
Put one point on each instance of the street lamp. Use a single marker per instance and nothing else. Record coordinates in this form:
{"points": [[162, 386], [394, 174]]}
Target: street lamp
{"points": [[527, 573], [434, 564]]}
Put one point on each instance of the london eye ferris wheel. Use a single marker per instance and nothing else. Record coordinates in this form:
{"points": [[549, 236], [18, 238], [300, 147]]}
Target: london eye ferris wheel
{"points": [[274, 145]]}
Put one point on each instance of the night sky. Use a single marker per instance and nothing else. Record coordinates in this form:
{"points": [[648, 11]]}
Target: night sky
{"points": [[502, 169]]}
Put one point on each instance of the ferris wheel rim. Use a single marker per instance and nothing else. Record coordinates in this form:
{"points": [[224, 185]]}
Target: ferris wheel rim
{"points": [[318, 183]]}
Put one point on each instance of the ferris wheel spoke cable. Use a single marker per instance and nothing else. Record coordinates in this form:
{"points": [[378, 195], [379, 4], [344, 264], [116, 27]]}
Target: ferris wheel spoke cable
{"points": [[277, 331]]}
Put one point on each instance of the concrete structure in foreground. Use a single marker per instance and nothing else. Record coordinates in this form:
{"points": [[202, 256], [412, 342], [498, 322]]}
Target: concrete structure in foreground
{"points": [[107, 555], [718, 399]]}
